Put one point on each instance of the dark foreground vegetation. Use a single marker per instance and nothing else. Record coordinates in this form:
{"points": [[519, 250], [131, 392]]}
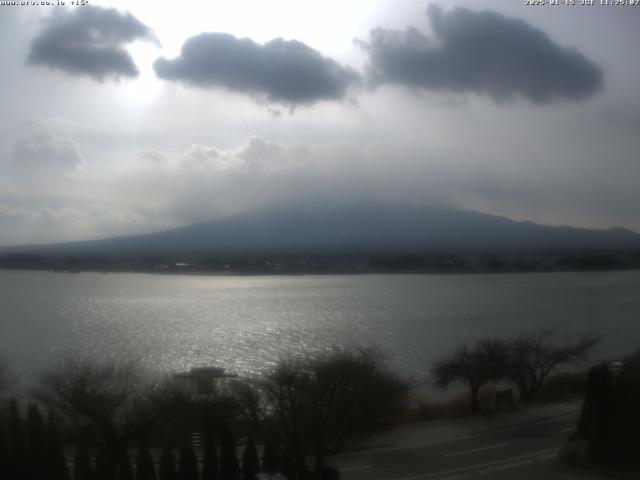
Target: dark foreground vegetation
{"points": [[103, 420], [607, 432], [115, 426], [524, 361]]}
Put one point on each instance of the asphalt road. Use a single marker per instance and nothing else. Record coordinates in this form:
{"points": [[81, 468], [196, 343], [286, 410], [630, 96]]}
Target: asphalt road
{"points": [[517, 451]]}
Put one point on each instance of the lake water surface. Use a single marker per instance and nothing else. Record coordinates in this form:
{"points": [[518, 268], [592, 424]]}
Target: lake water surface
{"points": [[245, 323]]}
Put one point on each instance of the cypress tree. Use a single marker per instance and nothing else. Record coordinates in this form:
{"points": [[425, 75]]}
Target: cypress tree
{"points": [[188, 462], [18, 457], [56, 461], [82, 469], [36, 441], [125, 472], [286, 468], [593, 422], [609, 420], [105, 469], [168, 465], [269, 460], [144, 467], [229, 468], [627, 415], [210, 461], [250, 462], [4, 450]]}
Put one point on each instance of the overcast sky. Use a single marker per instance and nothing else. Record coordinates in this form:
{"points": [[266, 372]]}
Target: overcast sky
{"points": [[124, 117]]}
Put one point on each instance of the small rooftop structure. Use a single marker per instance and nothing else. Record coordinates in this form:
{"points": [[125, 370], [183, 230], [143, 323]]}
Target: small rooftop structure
{"points": [[203, 379]]}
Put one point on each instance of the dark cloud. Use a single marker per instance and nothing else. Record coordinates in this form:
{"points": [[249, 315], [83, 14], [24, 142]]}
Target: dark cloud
{"points": [[482, 52], [283, 71], [89, 41]]}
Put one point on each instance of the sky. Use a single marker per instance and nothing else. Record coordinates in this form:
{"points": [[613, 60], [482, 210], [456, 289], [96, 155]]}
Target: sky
{"points": [[124, 117]]}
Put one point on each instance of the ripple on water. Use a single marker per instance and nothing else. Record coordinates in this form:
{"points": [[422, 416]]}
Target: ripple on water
{"points": [[246, 324]]}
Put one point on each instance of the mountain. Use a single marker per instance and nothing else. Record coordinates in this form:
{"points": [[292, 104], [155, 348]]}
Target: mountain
{"points": [[364, 228]]}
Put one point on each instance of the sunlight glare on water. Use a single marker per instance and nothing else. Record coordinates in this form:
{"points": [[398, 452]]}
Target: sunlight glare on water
{"points": [[245, 323]]}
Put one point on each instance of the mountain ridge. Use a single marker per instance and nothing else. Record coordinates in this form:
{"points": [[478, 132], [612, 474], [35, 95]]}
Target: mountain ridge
{"points": [[353, 228]]}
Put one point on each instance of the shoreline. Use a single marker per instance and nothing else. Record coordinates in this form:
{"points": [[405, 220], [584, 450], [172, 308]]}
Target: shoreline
{"points": [[236, 273]]}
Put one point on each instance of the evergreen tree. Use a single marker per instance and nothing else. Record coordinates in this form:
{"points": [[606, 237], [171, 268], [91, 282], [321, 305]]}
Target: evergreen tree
{"points": [[56, 461], [286, 468], [4, 449], [250, 462], [229, 468], [125, 472], [269, 460], [36, 441], [210, 461], [144, 468], [82, 469], [105, 469], [188, 462], [168, 466], [18, 457], [610, 419]]}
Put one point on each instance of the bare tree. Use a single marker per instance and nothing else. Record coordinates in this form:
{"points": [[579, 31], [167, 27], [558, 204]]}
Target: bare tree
{"points": [[107, 399], [315, 407], [531, 358], [476, 366]]}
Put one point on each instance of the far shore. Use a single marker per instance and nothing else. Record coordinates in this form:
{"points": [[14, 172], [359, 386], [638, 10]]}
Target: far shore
{"points": [[236, 273]]}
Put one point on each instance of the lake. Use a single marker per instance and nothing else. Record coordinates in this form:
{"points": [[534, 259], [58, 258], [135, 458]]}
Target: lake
{"points": [[245, 323]]}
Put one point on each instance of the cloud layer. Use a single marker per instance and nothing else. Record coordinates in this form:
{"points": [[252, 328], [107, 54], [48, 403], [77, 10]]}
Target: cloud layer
{"points": [[44, 149], [89, 41], [158, 189], [482, 52], [282, 71]]}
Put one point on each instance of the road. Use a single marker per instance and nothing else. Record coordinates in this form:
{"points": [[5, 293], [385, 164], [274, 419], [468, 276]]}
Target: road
{"points": [[516, 451]]}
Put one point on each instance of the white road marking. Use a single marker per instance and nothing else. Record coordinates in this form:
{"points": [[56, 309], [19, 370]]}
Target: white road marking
{"points": [[466, 437], [464, 452], [549, 456], [526, 425], [456, 477], [505, 466], [481, 465], [355, 469], [569, 429]]}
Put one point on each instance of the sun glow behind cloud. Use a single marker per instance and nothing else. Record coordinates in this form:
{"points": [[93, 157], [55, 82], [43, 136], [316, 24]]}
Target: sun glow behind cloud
{"points": [[328, 25]]}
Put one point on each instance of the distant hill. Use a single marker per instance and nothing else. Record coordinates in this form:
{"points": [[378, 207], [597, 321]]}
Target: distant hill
{"points": [[364, 228]]}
